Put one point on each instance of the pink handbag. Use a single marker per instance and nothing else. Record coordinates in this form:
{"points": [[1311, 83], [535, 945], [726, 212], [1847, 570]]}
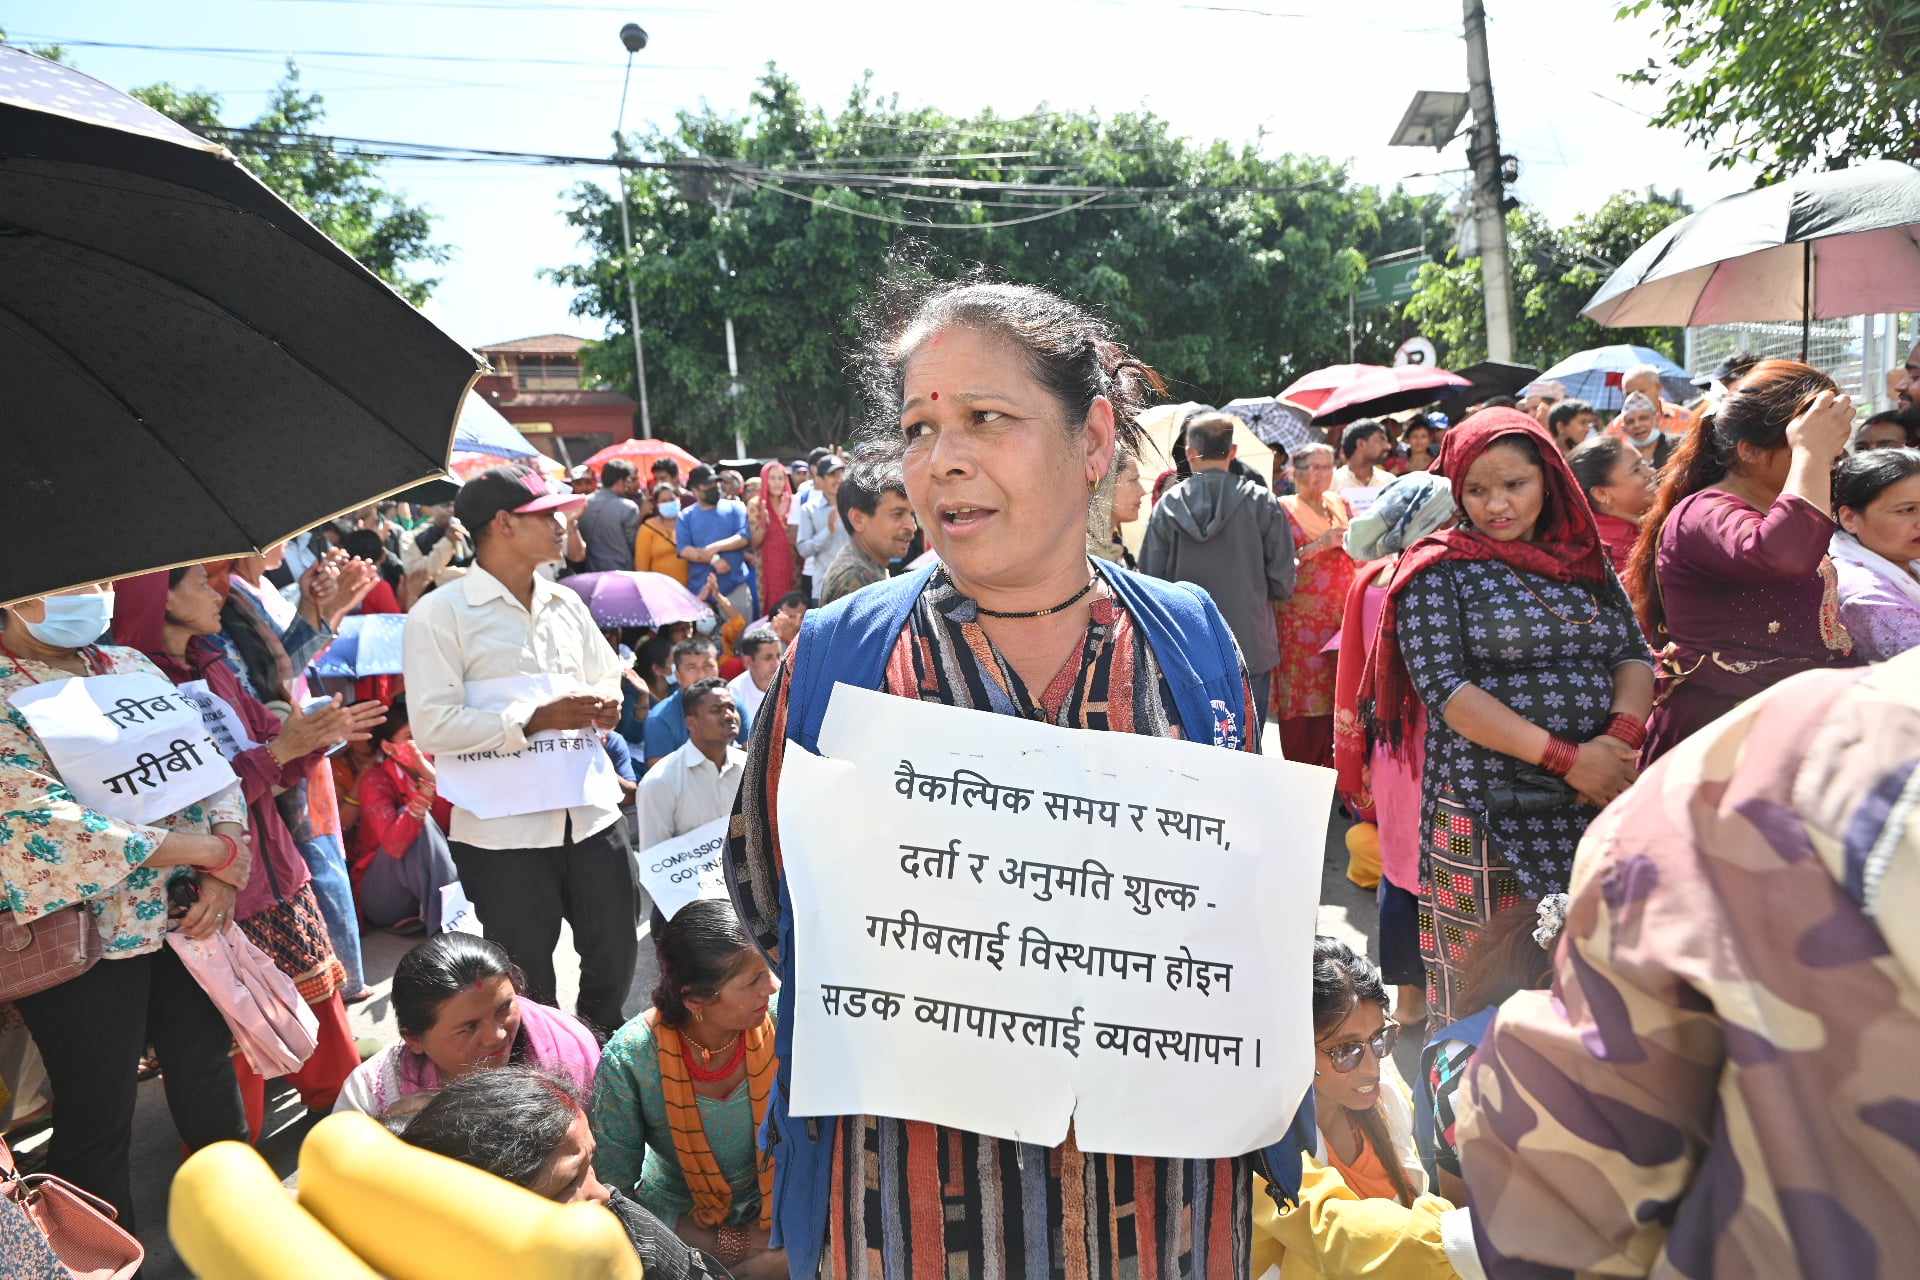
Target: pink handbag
{"points": [[271, 1023], [56, 948]]}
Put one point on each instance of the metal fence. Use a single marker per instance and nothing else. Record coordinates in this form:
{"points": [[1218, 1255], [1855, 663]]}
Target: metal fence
{"points": [[1857, 352]]}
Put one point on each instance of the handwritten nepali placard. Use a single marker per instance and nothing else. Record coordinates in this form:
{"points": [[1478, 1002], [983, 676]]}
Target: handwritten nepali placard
{"points": [[218, 717], [129, 745], [557, 769], [1002, 926], [686, 868]]}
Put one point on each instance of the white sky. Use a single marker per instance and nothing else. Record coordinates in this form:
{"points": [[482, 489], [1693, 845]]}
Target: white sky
{"points": [[1318, 76]]}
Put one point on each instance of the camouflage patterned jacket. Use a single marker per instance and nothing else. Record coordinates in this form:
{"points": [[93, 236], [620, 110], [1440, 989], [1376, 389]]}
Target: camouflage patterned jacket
{"points": [[1725, 1078]]}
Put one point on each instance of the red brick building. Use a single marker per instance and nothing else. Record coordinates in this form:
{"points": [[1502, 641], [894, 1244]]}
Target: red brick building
{"points": [[539, 386]]}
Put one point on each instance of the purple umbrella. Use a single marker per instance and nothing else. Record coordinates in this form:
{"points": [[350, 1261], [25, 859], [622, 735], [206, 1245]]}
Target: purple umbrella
{"points": [[630, 598]]}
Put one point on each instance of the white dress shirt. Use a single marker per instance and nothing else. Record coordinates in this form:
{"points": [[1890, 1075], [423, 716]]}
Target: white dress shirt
{"points": [[686, 791], [475, 629], [747, 695]]}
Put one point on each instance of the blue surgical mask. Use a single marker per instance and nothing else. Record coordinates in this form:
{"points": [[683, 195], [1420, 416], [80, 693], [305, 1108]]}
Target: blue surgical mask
{"points": [[73, 622], [670, 510]]}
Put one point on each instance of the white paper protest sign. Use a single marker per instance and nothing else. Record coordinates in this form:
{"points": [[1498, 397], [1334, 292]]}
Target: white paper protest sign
{"points": [[127, 745], [456, 911], [220, 720], [1001, 926], [557, 769], [686, 868]]}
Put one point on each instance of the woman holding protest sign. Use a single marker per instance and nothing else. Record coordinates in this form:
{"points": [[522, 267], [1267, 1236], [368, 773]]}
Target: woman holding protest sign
{"points": [[1513, 631], [171, 616], [66, 862], [683, 1090], [1001, 407]]}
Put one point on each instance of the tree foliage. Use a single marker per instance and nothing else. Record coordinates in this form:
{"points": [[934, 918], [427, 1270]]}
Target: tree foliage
{"points": [[342, 195], [1228, 294], [1555, 271], [1788, 83]]}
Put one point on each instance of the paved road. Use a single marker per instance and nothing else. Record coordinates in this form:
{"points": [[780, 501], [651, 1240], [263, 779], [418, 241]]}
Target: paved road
{"points": [[1345, 911]]}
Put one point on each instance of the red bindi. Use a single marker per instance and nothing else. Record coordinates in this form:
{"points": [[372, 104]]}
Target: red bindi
{"points": [[936, 395]]}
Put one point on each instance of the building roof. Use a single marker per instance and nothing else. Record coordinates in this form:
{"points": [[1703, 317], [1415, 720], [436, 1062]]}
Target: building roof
{"points": [[546, 344]]}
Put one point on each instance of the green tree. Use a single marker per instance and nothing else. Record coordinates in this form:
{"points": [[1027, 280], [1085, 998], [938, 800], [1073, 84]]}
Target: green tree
{"points": [[342, 195], [1788, 83], [1229, 293], [1555, 271]]}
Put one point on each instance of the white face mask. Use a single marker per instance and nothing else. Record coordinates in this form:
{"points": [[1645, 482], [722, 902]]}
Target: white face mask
{"points": [[73, 622]]}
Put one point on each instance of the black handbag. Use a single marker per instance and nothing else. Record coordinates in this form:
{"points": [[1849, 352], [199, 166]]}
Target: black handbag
{"points": [[1529, 792]]}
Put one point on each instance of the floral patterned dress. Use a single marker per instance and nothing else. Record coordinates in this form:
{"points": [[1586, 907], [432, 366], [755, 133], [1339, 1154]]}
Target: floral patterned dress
{"points": [[54, 851], [1303, 682]]}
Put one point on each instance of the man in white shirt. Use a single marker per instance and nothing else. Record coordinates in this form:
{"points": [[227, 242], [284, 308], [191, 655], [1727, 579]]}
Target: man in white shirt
{"points": [[760, 647], [819, 532], [527, 871], [1363, 445], [698, 782]]}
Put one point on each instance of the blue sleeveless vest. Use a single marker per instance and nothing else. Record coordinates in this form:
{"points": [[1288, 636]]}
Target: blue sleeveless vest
{"points": [[849, 642]]}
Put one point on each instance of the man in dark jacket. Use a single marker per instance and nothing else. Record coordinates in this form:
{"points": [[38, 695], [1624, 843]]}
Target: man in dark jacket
{"points": [[1229, 535]]}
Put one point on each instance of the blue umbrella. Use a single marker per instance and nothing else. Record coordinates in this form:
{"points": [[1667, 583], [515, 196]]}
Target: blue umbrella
{"points": [[482, 429], [1594, 376], [368, 645]]}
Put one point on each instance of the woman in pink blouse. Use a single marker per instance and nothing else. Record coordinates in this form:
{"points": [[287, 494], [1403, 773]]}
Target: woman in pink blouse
{"points": [[1731, 575]]}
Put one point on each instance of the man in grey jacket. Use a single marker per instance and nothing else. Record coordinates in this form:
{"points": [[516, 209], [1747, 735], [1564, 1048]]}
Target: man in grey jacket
{"points": [[1229, 535]]}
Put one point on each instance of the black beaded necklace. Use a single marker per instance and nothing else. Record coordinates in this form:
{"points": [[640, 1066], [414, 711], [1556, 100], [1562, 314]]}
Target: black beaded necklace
{"points": [[1062, 607]]}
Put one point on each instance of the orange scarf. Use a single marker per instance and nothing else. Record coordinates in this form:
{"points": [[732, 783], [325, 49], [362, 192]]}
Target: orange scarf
{"points": [[712, 1193]]}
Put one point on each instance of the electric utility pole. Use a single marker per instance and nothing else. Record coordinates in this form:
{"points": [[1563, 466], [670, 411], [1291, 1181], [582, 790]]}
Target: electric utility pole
{"points": [[1489, 189]]}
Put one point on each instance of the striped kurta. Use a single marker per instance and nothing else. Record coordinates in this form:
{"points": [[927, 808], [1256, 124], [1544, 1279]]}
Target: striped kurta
{"points": [[916, 1201]]}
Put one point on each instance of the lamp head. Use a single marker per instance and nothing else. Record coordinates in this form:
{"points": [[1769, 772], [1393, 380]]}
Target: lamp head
{"points": [[634, 37]]}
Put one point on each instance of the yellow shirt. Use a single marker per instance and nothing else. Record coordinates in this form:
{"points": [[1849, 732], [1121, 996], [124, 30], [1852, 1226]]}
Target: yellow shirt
{"points": [[655, 552]]}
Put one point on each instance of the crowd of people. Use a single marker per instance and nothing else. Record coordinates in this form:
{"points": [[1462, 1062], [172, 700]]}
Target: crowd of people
{"points": [[1625, 709]]}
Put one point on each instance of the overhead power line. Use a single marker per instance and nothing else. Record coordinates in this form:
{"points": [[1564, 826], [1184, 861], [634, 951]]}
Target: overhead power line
{"points": [[376, 55]]}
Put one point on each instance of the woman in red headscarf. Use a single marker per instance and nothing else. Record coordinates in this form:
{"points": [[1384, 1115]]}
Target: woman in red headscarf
{"points": [[171, 616], [1514, 632], [776, 549]]}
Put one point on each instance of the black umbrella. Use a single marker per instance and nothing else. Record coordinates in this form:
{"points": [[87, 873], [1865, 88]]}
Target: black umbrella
{"points": [[1484, 380], [434, 493], [195, 371]]}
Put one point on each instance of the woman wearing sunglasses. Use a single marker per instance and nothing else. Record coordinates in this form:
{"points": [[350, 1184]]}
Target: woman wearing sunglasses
{"points": [[1362, 1208]]}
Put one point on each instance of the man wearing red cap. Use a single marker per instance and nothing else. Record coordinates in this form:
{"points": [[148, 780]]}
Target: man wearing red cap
{"points": [[492, 660]]}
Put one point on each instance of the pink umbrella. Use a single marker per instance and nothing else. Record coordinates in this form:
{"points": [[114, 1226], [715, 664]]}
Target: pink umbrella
{"points": [[1312, 390], [630, 598], [1376, 389]]}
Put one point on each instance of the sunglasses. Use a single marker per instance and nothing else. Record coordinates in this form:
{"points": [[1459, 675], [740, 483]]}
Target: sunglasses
{"points": [[1345, 1057]]}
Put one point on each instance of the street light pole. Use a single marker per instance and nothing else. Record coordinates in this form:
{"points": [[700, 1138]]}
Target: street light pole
{"points": [[1489, 190], [634, 38]]}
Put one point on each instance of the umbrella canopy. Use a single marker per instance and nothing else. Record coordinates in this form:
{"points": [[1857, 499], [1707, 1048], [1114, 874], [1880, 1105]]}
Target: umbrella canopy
{"points": [[1594, 376], [434, 493], [1377, 389], [631, 598], [641, 454], [1312, 390], [465, 466], [482, 429], [1844, 242], [198, 372], [1284, 426], [369, 644]]}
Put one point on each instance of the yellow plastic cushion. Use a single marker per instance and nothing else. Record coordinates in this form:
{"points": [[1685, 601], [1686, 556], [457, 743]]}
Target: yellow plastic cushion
{"points": [[230, 1218], [414, 1215]]}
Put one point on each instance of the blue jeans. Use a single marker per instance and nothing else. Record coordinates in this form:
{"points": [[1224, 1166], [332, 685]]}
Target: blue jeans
{"points": [[334, 888]]}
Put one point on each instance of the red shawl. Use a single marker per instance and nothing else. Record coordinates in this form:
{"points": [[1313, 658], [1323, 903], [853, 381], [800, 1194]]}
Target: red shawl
{"points": [[1565, 547], [777, 564]]}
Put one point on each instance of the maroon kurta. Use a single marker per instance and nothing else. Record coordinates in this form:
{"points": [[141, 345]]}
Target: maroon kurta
{"points": [[1750, 599]]}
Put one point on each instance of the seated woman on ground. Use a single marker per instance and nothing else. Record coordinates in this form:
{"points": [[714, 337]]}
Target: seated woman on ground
{"points": [[531, 1129], [1361, 1209], [457, 1000], [683, 1090]]}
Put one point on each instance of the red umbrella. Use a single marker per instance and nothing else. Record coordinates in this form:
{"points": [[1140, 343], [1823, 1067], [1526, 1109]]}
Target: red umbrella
{"points": [[1312, 391], [641, 454], [1379, 390]]}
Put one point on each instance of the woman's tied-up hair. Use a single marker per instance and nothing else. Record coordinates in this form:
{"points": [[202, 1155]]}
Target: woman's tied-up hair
{"points": [[1070, 351]]}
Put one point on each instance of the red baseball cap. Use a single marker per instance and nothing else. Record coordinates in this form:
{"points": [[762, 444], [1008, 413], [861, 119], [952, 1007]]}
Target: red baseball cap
{"points": [[519, 489]]}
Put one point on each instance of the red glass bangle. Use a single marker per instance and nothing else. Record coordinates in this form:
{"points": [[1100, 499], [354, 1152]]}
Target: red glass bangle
{"points": [[1628, 730], [1559, 756], [233, 853]]}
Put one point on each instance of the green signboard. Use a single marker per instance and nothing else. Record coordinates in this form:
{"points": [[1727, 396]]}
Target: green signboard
{"points": [[1388, 282]]}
